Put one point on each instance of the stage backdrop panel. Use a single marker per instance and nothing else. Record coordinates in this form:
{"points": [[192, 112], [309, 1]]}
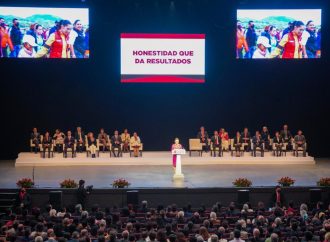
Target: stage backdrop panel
{"points": [[170, 58]]}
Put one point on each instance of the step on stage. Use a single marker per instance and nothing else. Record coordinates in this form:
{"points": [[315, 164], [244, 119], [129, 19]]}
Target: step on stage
{"points": [[159, 158]]}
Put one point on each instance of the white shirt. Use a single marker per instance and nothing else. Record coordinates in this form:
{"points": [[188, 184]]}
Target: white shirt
{"points": [[304, 37], [237, 240], [24, 54], [72, 37], [259, 54]]}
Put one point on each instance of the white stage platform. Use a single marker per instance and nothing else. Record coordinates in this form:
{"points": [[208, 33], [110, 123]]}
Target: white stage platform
{"points": [[159, 158]]}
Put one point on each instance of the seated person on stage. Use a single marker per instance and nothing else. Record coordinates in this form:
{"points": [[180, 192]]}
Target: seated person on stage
{"points": [[265, 137], [135, 143], [204, 139], [116, 144], [80, 139], [238, 143], [216, 143], [286, 136], [92, 144], [47, 143], [246, 137], [224, 139], [125, 138], [69, 143], [258, 143], [59, 140], [36, 139], [300, 141], [278, 144], [176, 145], [103, 139]]}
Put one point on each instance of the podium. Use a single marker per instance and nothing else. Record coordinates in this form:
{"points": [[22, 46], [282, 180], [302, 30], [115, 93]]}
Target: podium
{"points": [[178, 171]]}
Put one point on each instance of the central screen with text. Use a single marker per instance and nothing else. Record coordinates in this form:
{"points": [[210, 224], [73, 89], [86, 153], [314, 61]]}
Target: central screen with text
{"points": [[169, 58]]}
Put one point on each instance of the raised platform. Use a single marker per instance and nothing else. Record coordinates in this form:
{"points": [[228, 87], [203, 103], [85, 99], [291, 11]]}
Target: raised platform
{"points": [[159, 158]]}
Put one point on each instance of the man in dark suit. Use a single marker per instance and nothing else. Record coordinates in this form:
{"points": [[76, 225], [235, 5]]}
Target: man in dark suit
{"points": [[23, 199], [278, 144], [216, 143], [257, 143], [116, 143], [47, 143], [69, 142], [237, 143], [82, 194], [286, 136], [80, 138], [278, 197], [246, 137], [300, 141], [204, 139], [35, 137], [265, 137]]}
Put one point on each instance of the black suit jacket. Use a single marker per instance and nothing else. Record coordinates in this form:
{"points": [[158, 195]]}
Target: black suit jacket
{"points": [[114, 139], [282, 199], [76, 136], [47, 141], [289, 136], [35, 136], [278, 141], [199, 136], [213, 140], [257, 142], [238, 141], [26, 200], [247, 136], [69, 142]]}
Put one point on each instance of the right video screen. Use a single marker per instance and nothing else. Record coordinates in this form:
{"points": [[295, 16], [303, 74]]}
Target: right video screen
{"points": [[278, 33]]}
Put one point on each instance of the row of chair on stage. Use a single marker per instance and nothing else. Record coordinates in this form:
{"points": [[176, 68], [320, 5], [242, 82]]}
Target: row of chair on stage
{"points": [[243, 142], [79, 143]]}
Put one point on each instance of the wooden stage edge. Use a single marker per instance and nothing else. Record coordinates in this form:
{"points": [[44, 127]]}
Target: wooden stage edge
{"points": [[160, 158]]}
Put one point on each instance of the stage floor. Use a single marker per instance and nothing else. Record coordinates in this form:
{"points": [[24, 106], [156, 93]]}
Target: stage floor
{"points": [[161, 158], [155, 176]]}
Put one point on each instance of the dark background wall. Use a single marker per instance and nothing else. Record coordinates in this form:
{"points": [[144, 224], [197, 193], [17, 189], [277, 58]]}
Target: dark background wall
{"points": [[52, 94]]}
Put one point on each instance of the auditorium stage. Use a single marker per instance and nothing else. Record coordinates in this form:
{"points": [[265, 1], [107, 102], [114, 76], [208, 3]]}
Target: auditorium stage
{"points": [[155, 176], [161, 158]]}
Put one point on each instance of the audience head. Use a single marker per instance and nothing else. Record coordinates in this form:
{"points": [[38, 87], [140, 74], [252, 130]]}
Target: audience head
{"points": [[237, 234]]}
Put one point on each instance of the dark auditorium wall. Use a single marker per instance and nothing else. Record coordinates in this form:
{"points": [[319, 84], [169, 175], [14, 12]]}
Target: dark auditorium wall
{"points": [[52, 94]]}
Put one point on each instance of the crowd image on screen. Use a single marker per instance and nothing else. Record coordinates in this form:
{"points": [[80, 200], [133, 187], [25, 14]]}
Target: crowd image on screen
{"points": [[297, 40], [62, 40]]}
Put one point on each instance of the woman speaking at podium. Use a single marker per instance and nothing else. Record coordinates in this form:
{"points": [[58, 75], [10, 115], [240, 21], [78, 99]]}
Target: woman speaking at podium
{"points": [[176, 145]]}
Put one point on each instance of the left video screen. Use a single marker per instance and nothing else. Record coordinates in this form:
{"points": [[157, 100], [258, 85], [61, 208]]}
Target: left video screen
{"points": [[34, 32]]}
